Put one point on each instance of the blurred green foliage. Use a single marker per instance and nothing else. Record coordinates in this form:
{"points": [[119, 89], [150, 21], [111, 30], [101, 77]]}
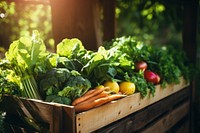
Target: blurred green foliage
{"points": [[20, 19], [154, 22]]}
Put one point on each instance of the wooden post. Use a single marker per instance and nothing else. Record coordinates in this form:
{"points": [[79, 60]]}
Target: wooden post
{"points": [[77, 19], [190, 42], [190, 29], [109, 22]]}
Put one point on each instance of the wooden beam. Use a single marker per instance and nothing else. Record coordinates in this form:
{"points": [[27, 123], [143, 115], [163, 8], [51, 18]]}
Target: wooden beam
{"points": [[190, 29], [109, 22], [190, 24]]}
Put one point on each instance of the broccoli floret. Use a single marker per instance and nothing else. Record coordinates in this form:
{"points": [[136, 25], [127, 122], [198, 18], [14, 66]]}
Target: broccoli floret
{"points": [[80, 86], [61, 82]]}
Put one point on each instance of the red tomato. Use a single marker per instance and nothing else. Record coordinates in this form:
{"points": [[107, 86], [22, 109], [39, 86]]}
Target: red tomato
{"points": [[151, 77], [141, 65]]}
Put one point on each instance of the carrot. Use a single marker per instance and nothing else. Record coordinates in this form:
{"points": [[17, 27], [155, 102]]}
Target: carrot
{"points": [[87, 95], [89, 92], [89, 103], [96, 101], [101, 95], [110, 98]]}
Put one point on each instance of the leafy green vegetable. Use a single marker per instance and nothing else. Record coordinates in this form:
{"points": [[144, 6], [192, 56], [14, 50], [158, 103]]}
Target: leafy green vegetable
{"points": [[52, 80], [58, 99], [181, 60], [79, 84], [9, 81], [27, 52], [46, 64], [63, 82], [136, 50], [66, 63], [168, 64], [23, 55], [72, 70], [69, 46]]}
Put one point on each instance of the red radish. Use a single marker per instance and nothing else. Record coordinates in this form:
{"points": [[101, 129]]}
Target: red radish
{"points": [[158, 79], [141, 65], [151, 77]]}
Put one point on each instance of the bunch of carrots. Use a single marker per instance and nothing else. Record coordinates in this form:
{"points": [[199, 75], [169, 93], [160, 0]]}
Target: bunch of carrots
{"points": [[94, 98]]}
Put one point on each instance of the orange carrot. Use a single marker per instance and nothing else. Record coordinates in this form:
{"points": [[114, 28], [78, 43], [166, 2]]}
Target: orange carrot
{"points": [[89, 103], [95, 102], [89, 92], [88, 95], [110, 98]]}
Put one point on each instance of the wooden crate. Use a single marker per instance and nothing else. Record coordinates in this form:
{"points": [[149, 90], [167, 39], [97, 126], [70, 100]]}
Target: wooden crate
{"points": [[62, 118]]}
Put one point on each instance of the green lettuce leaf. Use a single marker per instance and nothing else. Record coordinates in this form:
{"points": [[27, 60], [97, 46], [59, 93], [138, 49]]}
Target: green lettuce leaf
{"points": [[68, 47]]}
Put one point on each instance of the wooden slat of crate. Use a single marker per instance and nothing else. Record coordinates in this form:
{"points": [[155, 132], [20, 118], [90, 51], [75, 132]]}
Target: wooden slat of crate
{"points": [[51, 113], [170, 119], [68, 120], [111, 112], [183, 126], [141, 118]]}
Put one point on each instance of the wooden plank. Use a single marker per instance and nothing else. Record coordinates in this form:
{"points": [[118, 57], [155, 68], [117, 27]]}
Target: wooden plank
{"points": [[109, 20], [39, 111], [68, 122], [117, 109], [185, 128], [166, 122], [56, 122], [182, 126], [77, 19], [141, 118]]}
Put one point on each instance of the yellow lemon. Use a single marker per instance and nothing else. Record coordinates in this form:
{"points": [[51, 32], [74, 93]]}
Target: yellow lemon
{"points": [[99, 87], [127, 88], [112, 85]]}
